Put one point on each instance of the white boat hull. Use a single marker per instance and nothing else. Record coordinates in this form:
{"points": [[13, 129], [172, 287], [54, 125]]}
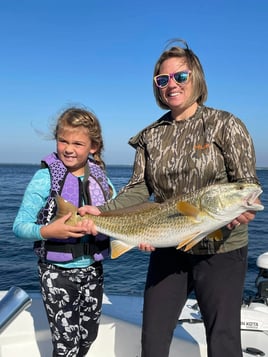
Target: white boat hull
{"points": [[119, 333]]}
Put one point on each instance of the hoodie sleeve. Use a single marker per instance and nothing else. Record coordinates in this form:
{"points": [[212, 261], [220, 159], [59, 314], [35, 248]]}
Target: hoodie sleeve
{"points": [[136, 191]]}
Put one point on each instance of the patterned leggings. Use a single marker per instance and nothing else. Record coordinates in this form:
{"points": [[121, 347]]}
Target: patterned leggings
{"points": [[72, 299]]}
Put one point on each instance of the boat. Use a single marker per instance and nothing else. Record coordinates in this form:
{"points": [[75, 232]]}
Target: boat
{"points": [[24, 328]]}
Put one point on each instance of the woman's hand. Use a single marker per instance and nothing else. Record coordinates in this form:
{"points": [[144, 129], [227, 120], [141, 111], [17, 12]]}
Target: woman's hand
{"points": [[89, 209], [146, 247], [88, 224], [58, 229], [244, 218]]}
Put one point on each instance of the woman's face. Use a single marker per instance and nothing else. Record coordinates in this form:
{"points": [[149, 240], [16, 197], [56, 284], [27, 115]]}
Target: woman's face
{"points": [[176, 95]]}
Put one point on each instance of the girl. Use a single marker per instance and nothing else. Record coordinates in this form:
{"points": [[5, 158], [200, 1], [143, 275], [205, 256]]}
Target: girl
{"points": [[70, 268]]}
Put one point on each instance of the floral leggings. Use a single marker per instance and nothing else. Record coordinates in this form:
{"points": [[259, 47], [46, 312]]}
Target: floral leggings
{"points": [[72, 299]]}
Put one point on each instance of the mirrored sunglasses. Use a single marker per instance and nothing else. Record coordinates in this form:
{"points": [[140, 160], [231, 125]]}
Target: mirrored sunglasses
{"points": [[161, 81]]}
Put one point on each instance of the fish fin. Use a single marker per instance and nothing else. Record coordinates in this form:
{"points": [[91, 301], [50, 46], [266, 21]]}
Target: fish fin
{"points": [[64, 207], [187, 240], [186, 209], [118, 248], [192, 243], [217, 235]]}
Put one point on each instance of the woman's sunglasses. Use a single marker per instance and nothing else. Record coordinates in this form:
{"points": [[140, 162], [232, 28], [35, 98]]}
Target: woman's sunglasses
{"points": [[161, 81]]}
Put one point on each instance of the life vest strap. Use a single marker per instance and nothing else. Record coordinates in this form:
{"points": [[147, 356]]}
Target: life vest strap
{"points": [[64, 252]]}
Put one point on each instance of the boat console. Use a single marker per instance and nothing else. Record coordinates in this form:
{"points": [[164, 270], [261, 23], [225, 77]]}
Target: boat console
{"points": [[262, 278], [254, 312]]}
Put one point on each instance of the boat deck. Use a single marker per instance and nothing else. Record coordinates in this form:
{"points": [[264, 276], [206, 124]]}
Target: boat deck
{"points": [[119, 333]]}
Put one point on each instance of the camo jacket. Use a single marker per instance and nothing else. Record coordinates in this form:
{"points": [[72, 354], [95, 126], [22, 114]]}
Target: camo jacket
{"points": [[177, 157]]}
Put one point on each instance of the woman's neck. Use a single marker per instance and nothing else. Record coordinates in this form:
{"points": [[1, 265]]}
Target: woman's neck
{"points": [[182, 114]]}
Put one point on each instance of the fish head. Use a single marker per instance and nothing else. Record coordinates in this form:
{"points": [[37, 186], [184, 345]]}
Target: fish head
{"points": [[231, 199]]}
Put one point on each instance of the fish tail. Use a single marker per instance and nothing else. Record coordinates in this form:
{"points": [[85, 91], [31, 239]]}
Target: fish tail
{"points": [[64, 207]]}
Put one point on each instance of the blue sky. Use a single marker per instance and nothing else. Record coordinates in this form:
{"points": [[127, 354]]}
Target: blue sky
{"points": [[101, 54]]}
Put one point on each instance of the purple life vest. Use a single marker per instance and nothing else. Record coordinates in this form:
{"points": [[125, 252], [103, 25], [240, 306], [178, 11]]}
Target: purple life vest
{"points": [[93, 190]]}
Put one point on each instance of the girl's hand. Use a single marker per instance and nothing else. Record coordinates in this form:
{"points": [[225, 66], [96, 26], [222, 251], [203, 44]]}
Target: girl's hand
{"points": [[58, 229]]}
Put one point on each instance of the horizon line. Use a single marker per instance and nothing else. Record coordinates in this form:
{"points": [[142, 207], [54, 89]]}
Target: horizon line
{"points": [[38, 164]]}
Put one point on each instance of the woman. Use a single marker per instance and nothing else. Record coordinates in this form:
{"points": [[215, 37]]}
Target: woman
{"points": [[189, 147]]}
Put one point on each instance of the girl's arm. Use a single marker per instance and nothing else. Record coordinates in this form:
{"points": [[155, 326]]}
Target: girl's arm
{"points": [[33, 200]]}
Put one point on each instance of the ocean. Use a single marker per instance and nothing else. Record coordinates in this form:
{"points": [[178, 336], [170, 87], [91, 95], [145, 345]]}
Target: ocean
{"points": [[125, 275]]}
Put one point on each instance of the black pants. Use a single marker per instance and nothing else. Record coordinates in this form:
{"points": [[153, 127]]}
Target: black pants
{"points": [[217, 281], [73, 300]]}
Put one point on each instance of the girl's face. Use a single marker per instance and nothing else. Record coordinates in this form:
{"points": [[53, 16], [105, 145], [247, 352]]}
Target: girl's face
{"points": [[176, 95], [73, 148]]}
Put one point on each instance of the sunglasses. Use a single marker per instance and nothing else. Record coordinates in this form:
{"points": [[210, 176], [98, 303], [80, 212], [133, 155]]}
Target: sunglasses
{"points": [[161, 81]]}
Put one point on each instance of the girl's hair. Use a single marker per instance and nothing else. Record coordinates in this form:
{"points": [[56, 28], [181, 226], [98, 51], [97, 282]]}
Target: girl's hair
{"points": [[76, 117], [199, 94]]}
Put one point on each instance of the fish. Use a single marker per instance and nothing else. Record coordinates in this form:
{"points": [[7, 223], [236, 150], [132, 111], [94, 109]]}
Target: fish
{"points": [[180, 222]]}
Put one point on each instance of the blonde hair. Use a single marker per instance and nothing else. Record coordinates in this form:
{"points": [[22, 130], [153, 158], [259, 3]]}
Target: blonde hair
{"points": [[200, 93], [76, 117]]}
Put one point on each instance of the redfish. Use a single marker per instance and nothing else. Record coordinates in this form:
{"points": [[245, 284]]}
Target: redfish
{"points": [[179, 222]]}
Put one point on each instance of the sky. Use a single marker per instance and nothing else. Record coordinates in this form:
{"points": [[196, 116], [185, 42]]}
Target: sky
{"points": [[101, 55]]}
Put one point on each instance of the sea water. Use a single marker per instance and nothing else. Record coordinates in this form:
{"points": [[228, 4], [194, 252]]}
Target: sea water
{"points": [[125, 275]]}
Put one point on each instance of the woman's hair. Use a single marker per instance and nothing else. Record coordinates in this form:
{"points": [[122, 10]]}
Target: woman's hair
{"points": [[199, 94], [77, 117]]}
